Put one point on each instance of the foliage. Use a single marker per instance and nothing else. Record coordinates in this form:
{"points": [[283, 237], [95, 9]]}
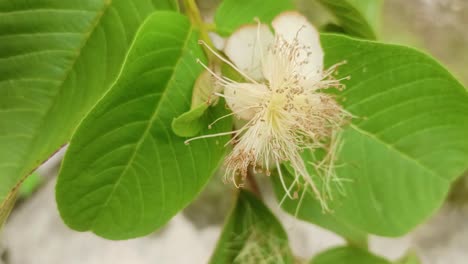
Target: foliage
{"points": [[348, 255], [392, 175], [127, 84], [146, 174], [252, 234], [57, 59], [359, 18]]}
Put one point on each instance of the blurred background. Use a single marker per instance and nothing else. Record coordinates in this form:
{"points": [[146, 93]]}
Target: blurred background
{"points": [[36, 234]]}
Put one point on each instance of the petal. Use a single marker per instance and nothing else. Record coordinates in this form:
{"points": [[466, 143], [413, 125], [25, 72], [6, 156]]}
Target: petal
{"points": [[246, 46], [218, 41], [244, 99], [293, 27]]}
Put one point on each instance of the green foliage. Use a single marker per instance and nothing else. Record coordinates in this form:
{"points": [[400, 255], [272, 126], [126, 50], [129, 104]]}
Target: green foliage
{"points": [[7, 205], [308, 209], [189, 124], [122, 77], [30, 185], [57, 58], [166, 4], [125, 173], [232, 14], [347, 255], [406, 144], [252, 234], [359, 18]]}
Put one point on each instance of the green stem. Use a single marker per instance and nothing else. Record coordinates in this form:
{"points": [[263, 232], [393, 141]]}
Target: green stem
{"points": [[193, 12]]}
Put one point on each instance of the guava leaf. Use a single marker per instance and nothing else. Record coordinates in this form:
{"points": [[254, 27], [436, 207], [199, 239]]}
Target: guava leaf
{"points": [[232, 14], [348, 255], [57, 58], [309, 209], [407, 143], [252, 234], [126, 173], [359, 18]]}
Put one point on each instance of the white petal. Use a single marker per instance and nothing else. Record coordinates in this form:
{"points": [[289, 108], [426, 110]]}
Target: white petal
{"points": [[295, 28], [218, 41], [245, 98], [246, 46]]}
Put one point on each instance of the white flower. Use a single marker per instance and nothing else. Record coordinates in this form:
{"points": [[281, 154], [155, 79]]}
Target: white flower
{"points": [[281, 99]]}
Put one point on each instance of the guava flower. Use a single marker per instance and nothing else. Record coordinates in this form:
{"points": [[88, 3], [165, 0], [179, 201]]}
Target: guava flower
{"points": [[281, 100]]}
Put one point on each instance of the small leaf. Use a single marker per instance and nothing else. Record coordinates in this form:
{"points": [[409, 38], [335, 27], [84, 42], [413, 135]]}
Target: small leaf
{"points": [[407, 143], [359, 18], [232, 14], [125, 173], [189, 124], [347, 255], [252, 234]]}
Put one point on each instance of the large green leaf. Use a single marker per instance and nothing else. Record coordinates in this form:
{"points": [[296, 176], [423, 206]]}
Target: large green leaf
{"points": [[358, 18], [312, 210], [232, 14], [407, 143], [126, 173], [347, 255], [57, 58], [252, 234]]}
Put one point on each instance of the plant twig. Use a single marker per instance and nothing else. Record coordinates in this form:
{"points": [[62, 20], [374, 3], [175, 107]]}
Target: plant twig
{"points": [[193, 12]]}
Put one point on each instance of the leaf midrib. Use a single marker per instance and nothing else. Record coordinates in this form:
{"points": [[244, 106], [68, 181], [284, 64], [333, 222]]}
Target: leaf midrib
{"points": [[153, 118]]}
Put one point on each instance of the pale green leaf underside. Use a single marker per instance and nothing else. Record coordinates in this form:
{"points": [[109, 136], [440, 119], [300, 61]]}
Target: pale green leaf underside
{"points": [[252, 234], [358, 18], [57, 58], [232, 14], [408, 142], [189, 124], [126, 173], [347, 255]]}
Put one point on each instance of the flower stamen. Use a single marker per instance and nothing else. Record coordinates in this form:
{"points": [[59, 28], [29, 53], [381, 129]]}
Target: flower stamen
{"points": [[286, 111]]}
